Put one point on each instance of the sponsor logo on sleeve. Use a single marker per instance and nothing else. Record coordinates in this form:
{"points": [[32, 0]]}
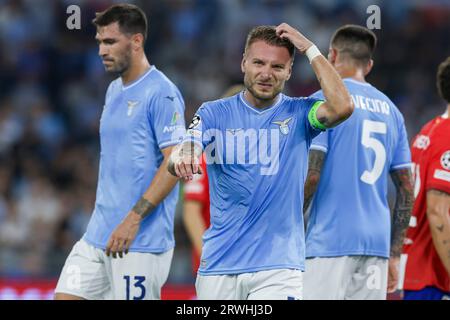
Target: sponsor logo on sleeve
{"points": [[195, 122], [422, 142], [442, 175], [175, 118]]}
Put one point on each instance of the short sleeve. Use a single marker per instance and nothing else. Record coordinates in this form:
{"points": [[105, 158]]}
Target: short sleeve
{"points": [[320, 142], [402, 152], [318, 95], [200, 129], [311, 103], [166, 116], [438, 168]]}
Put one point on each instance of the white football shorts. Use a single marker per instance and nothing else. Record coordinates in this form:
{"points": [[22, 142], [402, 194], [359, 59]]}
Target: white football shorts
{"points": [[90, 274], [277, 284], [346, 277]]}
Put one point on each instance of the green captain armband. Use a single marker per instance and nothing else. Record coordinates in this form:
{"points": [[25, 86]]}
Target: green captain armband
{"points": [[312, 117]]}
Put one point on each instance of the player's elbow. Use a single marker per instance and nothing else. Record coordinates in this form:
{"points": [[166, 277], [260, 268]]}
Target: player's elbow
{"points": [[340, 111], [343, 104], [346, 109]]}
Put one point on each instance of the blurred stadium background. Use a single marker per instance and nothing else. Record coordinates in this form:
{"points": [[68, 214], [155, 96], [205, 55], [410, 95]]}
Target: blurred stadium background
{"points": [[52, 87]]}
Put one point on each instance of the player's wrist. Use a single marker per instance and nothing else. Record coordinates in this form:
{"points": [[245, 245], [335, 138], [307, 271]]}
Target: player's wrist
{"points": [[312, 52], [142, 209], [134, 218]]}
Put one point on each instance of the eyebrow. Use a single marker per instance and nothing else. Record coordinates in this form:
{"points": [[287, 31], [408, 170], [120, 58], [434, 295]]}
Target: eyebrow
{"points": [[281, 65], [110, 40]]}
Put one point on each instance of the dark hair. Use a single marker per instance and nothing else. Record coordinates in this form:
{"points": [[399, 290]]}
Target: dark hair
{"points": [[131, 19], [357, 42], [269, 36], [443, 80]]}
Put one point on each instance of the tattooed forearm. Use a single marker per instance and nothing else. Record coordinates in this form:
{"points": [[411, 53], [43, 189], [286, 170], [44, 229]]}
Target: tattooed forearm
{"points": [[315, 163], [143, 207], [402, 211], [438, 209]]}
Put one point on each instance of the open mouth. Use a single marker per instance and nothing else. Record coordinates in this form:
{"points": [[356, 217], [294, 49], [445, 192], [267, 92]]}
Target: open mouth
{"points": [[264, 85]]}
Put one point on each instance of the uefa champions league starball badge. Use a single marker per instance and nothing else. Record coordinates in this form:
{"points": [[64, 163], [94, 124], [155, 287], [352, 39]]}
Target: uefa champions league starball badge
{"points": [[445, 160]]}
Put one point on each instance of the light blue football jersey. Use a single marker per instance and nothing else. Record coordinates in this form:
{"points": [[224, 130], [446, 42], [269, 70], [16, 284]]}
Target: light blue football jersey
{"points": [[138, 121], [350, 213], [257, 165]]}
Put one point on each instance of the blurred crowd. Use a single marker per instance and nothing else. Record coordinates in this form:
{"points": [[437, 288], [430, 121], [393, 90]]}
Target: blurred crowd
{"points": [[52, 87]]}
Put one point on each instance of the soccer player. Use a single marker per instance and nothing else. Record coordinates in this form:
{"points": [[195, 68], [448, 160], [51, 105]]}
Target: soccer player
{"points": [[196, 201], [427, 245], [127, 249], [257, 144], [351, 245]]}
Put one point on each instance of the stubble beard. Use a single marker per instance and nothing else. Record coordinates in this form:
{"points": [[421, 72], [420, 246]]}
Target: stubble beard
{"points": [[123, 63], [249, 86]]}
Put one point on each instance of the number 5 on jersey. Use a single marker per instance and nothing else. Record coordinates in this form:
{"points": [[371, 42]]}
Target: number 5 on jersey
{"points": [[370, 177]]}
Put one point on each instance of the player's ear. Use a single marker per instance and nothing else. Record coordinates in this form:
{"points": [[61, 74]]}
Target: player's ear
{"points": [[368, 67], [290, 71], [243, 63], [332, 55], [137, 41]]}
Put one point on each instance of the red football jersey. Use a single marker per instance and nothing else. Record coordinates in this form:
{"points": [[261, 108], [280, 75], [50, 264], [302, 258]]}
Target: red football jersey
{"points": [[197, 189], [431, 165]]}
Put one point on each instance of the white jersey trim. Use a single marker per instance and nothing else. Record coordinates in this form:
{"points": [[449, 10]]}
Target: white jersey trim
{"points": [[138, 80], [317, 147], [241, 96], [357, 82], [168, 143], [401, 166]]}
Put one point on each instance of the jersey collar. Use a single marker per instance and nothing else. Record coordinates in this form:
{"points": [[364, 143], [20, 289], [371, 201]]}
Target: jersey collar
{"points": [[260, 111], [135, 82], [357, 82]]}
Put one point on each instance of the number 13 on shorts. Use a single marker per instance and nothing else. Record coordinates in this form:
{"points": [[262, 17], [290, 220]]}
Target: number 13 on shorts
{"points": [[134, 287]]}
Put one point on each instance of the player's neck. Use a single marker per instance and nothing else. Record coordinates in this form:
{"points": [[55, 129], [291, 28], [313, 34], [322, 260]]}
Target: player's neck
{"points": [[136, 69], [258, 103], [356, 74]]}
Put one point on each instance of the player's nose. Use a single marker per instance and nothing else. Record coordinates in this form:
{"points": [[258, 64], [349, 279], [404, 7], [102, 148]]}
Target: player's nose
{"points": [[102, 51], [265, 76]]}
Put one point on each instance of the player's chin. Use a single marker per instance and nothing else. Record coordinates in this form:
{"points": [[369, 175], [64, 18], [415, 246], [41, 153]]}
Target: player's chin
{"points": [[266, 95], [108, 68]]}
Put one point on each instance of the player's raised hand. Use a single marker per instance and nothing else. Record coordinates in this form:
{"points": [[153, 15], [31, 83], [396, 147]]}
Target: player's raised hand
{"points": [[124, 235], [184, 161], [298, 40], [394, 264]]}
